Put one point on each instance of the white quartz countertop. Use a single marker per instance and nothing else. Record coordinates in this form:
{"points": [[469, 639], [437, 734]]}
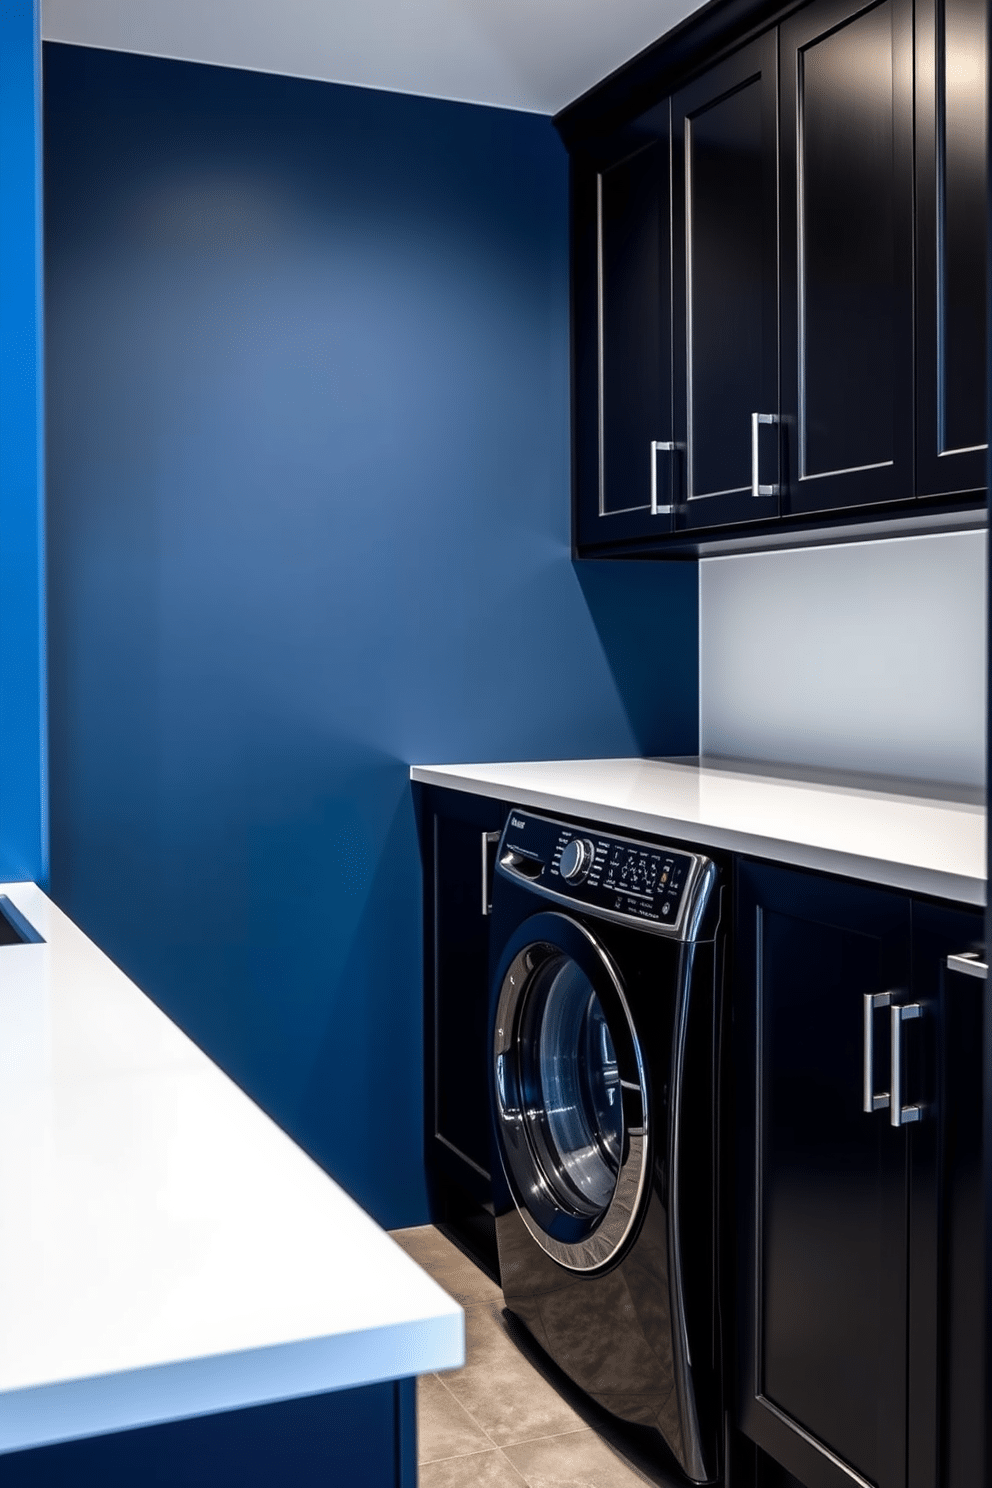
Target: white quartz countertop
{"points": [[165, 1249], [903, 835]]}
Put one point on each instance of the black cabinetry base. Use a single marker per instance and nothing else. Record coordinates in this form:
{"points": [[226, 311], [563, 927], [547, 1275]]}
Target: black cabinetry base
{"points": [[458, 833], [467, 1224], [749, 1467]]}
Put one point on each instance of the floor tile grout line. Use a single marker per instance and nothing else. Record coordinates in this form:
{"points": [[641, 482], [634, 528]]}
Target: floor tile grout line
{"points": [[637, 1479], [514, 1469], [466, 1456], [523, 1441], [475, 1423], [528, 1371], [470, 1416], [491, 1304], [528, 1441]]}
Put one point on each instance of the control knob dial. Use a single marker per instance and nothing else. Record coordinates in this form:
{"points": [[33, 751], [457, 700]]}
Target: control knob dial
{"points": [[576, 860]]}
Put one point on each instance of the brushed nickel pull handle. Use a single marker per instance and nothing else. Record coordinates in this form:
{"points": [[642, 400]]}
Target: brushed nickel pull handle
{"points": [[489, 839], [757, 489], [900, 1115], [969, 963], [874, 1100], [668, 447]]}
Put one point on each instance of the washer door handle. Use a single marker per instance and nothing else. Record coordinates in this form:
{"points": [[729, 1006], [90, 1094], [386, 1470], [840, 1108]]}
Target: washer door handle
{"points": [[490, 840]]}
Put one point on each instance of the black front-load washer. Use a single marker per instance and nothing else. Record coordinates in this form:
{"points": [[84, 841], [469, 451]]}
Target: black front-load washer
{"points": [[604, 1027]]}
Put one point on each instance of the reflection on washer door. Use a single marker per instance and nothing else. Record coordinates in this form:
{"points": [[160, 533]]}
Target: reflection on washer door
{"points": [[582, 1112]]}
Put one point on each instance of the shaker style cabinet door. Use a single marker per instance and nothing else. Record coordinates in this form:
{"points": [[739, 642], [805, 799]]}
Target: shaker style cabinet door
{"points": [[725, 257], [847, 271], [625, 464], [459, 834], [951, 236], [822, 1280], [946, 1247]]}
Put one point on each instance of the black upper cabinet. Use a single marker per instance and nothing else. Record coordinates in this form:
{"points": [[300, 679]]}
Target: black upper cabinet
{"points": [[847, 271], [951, 232], [725, 258], [751, 359], [621, 264]]}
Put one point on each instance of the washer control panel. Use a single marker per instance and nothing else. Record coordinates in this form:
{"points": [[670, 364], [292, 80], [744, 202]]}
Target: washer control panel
{"points": [[575, 859], [619, 878]]}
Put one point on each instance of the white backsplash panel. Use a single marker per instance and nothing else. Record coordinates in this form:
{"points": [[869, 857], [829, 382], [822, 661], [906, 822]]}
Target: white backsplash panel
{"points": [[862, 656]]}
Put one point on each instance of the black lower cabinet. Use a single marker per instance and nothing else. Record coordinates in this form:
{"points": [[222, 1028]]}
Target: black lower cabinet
{"points": [[459, 833], [856, 1184], [822, 1202], [947, 1415]]}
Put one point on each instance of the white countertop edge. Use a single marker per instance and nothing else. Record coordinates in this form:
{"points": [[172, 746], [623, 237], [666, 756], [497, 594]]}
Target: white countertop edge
{"points": [[45, 1414], [917, 879], [161, 1282], [957, 888]]}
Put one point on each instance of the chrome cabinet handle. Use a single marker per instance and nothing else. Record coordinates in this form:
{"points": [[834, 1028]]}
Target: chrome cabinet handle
{"points": [[757, 489], [668, 447], [874, 1100], [900, 1115], [488, 839], [969, 963]]}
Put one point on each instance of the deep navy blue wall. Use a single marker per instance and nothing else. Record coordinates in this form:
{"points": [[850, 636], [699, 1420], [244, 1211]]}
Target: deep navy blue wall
{"points": [[308, 472], [23, 766]]}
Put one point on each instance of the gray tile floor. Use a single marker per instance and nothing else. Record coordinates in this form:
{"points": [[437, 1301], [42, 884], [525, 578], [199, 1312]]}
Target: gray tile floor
{"points": [[497, 1423]]}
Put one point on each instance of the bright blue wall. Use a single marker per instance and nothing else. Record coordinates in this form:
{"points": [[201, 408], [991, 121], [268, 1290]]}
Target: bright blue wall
{"points": [[308, 472], [23, 784]]}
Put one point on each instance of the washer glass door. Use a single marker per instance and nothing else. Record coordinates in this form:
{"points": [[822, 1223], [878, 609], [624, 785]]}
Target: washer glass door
{"points": [[570, 1093], [571, 1087]]}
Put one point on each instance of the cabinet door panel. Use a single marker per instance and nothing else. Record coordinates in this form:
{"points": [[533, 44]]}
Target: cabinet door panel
{"points": [[633, 394], [725, 246], [622, 320], [824, 1195], [952, 232], [458, 1131], [963, 1232], [847, 271], [848, 259], [946, 1343], [824, 1285]]}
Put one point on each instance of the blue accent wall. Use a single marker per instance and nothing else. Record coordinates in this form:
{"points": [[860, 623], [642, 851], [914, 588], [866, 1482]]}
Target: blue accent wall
{"points": [[23, 784], [308, 453]]}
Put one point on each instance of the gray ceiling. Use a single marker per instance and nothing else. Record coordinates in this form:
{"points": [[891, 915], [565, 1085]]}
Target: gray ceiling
{"points": [[535, 55]]}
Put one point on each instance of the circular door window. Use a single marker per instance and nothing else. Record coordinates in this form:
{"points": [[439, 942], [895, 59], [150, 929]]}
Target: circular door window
{"points": [[570, 1093], [572, 1085]]}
